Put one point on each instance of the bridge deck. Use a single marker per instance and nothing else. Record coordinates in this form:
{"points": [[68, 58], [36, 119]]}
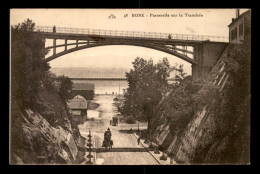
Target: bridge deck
{"points": [[80, 32], [119, 79], [92, 37], [174, 44]]}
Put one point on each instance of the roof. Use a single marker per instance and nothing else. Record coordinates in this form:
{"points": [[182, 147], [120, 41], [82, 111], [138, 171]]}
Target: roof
{"points": [[83, 86], [239, 17], [78, 103], [78, 98]]}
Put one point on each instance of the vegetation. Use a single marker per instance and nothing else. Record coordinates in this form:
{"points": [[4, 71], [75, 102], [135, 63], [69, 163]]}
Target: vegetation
{"points": [[130, 120], [184, 102], [232, 108], [118, 103], [29, 74], [27, 71], [147, 82], [227, 136], [34, 87]]}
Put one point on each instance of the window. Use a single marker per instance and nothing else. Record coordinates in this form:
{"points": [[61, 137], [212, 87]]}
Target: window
{"points": [[234, 34], [241, 29]]}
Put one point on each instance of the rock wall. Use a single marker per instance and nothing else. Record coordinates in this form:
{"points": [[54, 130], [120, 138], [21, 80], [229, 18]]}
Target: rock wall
{"points": [[198, 142], [37, 142]]}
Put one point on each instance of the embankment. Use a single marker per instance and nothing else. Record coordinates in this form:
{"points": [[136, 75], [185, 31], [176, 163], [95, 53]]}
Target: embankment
{"points": [[217, 132]]}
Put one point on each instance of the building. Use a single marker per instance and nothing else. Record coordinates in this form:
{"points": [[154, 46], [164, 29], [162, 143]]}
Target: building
{"points": [[84, 89], [240, 27], [78, 107]]}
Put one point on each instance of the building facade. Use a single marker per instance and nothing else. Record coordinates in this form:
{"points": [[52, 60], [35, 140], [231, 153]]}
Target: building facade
{"points": [[78, 108], [240, 28]]}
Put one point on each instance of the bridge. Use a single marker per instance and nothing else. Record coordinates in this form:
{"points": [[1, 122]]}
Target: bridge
{"points": [[199, 50], [118, 79], [112, 79]]}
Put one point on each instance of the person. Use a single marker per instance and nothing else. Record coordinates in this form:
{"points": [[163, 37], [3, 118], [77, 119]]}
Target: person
{"points": [[169, 37], [138, 140], [54, 29], [107, 134], [107, 138]]}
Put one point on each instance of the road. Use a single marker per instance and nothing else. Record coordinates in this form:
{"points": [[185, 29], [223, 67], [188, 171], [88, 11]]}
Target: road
{"points": [[125, 150]]}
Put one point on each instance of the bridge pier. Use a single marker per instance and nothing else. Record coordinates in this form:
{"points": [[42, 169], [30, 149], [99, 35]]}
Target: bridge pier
{"points": [[195, 72], [207, 54]]}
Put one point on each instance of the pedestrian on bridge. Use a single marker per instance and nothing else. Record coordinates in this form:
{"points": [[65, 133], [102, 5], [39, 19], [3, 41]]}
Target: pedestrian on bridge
{"points": [[54, 29]]}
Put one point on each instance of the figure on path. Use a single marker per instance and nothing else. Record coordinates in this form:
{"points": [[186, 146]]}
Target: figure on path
{"points": [[107, 143], [54, 29], [109, 134]]}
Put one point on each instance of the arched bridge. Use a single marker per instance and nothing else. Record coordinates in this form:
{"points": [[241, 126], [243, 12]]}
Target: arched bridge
{"points": [[191, 48]]}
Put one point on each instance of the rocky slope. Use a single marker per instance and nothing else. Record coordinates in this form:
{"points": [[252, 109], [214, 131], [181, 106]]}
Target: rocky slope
{"points": [[35, 141], [206, 137]]}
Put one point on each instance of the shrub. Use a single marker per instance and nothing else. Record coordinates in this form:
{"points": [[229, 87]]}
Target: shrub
{"points": [[130, 120]]}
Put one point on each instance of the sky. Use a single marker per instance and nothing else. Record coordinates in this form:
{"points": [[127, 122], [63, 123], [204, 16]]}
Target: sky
{"points": [[210, 22]]}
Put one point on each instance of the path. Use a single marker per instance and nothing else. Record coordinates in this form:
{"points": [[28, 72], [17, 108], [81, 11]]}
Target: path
{"points": [[125, 151]]}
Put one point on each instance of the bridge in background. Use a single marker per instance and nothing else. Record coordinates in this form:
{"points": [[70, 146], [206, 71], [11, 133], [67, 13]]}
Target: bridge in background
{"points": [[200, 51], [112, 79], [119, 79]]}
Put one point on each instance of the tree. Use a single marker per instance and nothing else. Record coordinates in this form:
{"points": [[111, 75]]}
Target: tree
{"points": [[64, 87], [146, 82], [27, 70], [179, 77]]}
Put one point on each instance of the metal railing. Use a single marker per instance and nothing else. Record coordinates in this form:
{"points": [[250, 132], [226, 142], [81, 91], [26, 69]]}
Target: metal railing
{"points": [[137, 34]]}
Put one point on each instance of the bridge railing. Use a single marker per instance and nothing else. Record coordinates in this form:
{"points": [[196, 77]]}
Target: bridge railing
{"points": [[136, 34]]}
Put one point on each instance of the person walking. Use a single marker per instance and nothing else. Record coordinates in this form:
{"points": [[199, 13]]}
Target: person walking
{"points": [[138, 140]]}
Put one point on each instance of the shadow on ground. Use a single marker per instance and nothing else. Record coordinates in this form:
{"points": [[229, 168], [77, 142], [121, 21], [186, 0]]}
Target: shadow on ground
{"points": [[126, 131], [121, 149]]}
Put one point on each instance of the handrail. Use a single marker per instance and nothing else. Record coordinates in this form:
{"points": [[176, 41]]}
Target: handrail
{"points": [[136, 34]]}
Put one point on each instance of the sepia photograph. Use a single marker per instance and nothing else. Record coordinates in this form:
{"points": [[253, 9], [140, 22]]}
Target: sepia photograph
{"points": [[130, 86]]}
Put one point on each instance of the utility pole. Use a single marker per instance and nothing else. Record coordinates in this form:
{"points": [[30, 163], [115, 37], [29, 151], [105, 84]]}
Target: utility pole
{"points": [[119, 90]]}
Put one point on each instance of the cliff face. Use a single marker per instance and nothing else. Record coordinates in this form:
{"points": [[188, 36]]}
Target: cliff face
{"points": [[208, 137], [41, 127], [35, 141]]}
